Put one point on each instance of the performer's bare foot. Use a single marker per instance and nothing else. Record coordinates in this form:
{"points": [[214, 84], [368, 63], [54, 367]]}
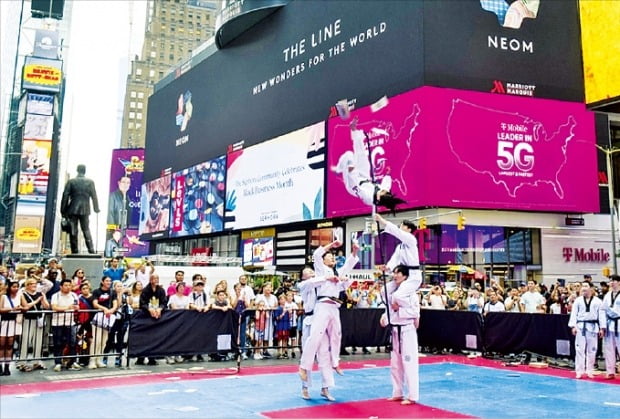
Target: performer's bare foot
{"points": [[305, 394], [303, 374], [395, 398], [338, 370], [406, 402], [325, 394]]}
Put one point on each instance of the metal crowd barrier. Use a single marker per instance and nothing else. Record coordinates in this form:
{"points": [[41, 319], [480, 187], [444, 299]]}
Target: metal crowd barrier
{"points": [[65, 338]]}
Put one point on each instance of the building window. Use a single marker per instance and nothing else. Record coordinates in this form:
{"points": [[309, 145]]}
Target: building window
{"points": [[132, 115], [151, 73], [139, 116], [138, 71], [130, 125], [140, 105], [138, 125], [132, 105], [132, 94], [140, 95]]}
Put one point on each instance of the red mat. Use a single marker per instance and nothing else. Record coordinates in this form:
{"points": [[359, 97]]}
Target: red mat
{"points": [[379, 408]]}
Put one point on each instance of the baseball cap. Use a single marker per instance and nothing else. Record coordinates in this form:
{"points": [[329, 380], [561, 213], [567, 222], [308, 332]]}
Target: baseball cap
{"points": [[199, 282]]}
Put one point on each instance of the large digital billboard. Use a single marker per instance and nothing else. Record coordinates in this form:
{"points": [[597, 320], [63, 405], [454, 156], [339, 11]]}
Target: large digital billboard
{"points": [[525, 48], [35, 171], [155, 208], [600, 42], [198, 196], [125, 188], [290, 69], [272, 78], [278, 181], [445, 147]]}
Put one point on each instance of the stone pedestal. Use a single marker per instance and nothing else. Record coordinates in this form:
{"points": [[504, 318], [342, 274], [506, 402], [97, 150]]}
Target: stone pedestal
{"points": [[91, 264]]}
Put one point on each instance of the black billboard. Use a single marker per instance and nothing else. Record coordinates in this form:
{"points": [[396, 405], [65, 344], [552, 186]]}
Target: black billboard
{"points": [[282, 74], [513, 47], [287, 71]]}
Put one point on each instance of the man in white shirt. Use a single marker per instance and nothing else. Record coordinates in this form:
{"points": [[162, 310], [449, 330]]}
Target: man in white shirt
{"points": [[493, 305], [531, 300], [512, 301], [64, 304], [587, 322]]}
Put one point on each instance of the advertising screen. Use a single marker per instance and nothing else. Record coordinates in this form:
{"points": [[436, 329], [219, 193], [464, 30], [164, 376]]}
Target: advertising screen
{"points": [[40, 104], [125, 187], [155, 208], [278, 181], [257, 251], [39, 127], [502, 47], [28, 233], [272, 78], [600, 42], [198, 196], [444, 147], [34, 171]]}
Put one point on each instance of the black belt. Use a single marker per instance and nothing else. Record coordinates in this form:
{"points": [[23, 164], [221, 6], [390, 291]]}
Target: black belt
{"points": [[413, 268], [334, 299], [583, 331], [309, 313]]}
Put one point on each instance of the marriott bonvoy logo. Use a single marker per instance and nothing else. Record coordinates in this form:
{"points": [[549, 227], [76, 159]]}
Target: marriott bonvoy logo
{"points": [[510, 14]]}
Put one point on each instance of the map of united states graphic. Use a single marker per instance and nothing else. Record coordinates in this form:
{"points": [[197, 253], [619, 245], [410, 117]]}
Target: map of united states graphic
{"points": [[509, 147]]}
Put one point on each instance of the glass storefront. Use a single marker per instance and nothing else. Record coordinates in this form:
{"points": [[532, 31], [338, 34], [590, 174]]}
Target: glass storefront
{"points": [[476, 253]]}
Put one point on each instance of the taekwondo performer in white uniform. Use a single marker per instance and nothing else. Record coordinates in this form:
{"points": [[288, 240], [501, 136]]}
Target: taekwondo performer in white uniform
{"points": [[611, 341], [354, 167], [587, 321], [308, 289], [406, 253], [404, 318], [326, 314]]}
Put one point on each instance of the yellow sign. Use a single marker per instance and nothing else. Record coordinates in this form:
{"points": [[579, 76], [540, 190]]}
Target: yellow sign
{"points": [[600, 42], [28, 233], [42, 74], [253, 234]]}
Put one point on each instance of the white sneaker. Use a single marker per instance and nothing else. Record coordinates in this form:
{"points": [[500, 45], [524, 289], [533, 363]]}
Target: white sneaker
{"points": [[258, 356], [169, 360], [244, 356], [57, 368], [75, 367], [101, 365], [92, 366], [178, 359]]}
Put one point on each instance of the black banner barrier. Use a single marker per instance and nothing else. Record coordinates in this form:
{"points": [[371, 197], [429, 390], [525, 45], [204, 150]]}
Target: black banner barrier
{"points": [[360, 327], [183, 332], [449, 329], [539, 333]]}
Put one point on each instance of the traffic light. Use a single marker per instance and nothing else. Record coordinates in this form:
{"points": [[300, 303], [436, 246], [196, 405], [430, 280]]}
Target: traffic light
{"points": [[460, 223], [606, 272], [422, 223]]}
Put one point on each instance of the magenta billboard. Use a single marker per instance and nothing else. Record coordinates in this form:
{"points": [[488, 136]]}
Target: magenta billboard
{"points": [[464, 149]]}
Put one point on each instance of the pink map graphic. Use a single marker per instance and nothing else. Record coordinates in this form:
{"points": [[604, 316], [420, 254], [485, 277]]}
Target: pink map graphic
{"points": [[513, 149]]}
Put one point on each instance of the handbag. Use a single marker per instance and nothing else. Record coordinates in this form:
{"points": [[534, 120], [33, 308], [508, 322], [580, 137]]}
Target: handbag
{"points": [[103, 321], [65, 225]]}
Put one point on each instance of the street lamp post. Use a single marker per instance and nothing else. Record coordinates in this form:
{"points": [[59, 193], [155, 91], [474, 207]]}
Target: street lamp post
{"points": [[612, 212]]}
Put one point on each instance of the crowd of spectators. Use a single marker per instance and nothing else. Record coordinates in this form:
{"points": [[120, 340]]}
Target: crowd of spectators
{"points": [[268, 319]]}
